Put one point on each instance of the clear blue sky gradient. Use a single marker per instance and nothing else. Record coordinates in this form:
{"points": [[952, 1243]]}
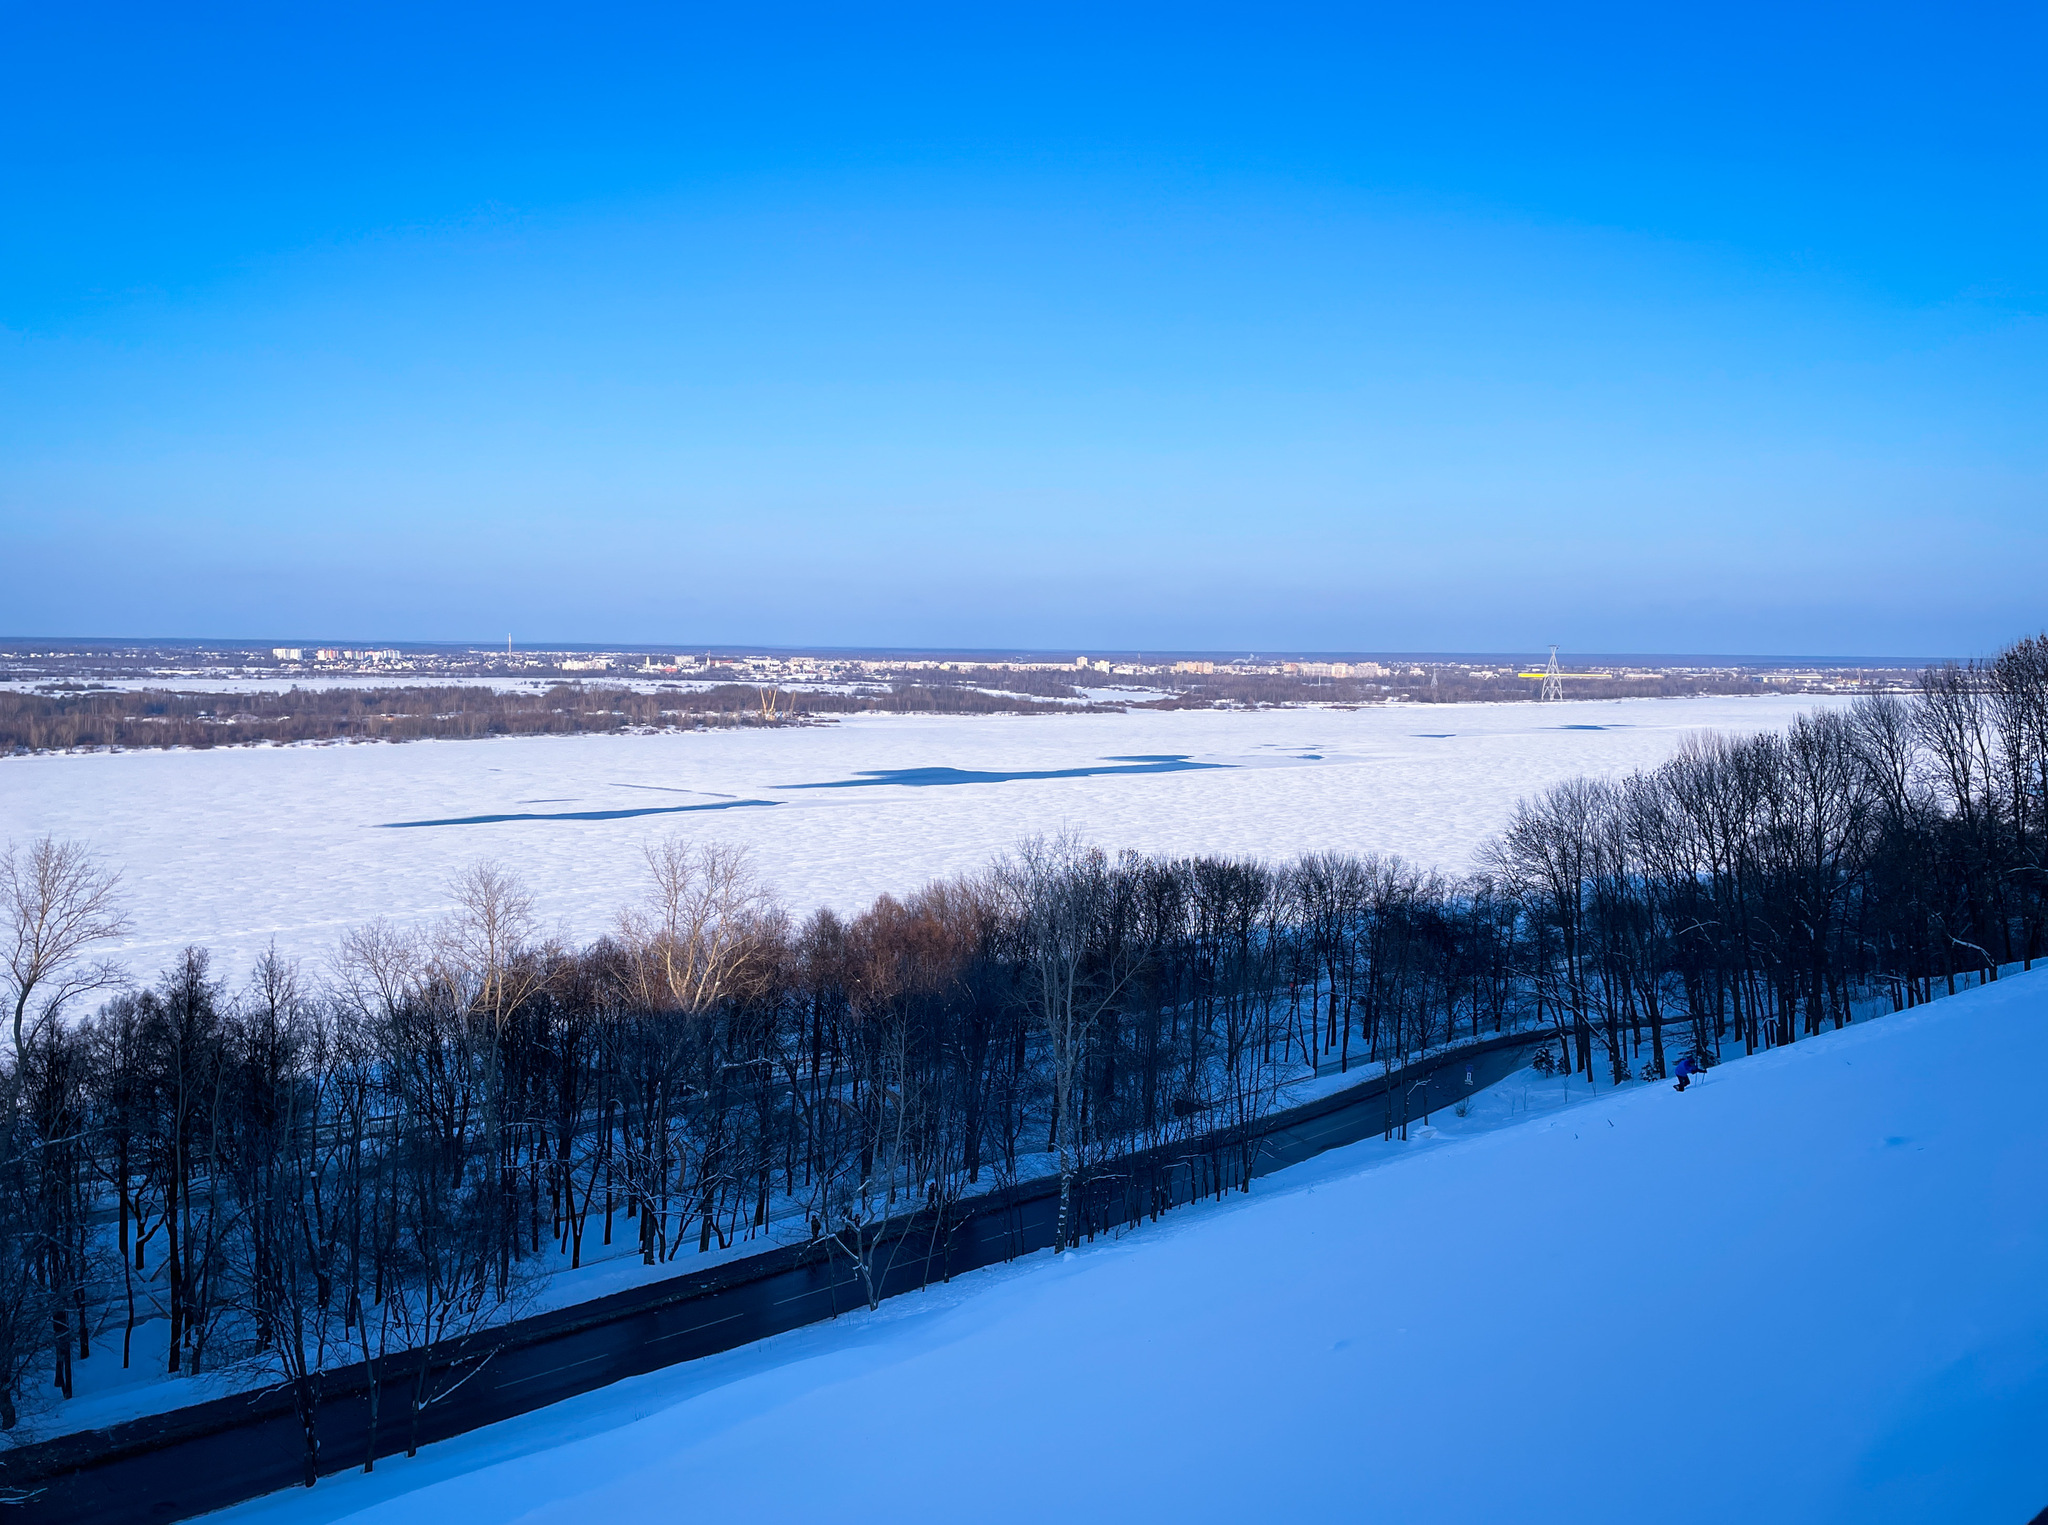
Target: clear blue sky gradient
{"points": [[1716, 329]]}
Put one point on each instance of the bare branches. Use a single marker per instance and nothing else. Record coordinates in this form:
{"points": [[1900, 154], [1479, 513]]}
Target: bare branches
{"points": [[699, 935], [378, 967], [1073, 915], [56, 901], [478, 950]]}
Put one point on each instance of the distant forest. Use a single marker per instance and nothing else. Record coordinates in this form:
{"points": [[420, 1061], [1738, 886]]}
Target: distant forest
{"points": [[1448, 685], [58, 720]]}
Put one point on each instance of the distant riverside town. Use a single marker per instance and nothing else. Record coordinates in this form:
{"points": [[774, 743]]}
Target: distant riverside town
{"points": [[35, 663], [105, 694], [94, 695]]}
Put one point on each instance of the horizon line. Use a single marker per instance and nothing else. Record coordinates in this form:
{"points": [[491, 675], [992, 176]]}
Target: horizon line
{"points": [[1002, 653]]}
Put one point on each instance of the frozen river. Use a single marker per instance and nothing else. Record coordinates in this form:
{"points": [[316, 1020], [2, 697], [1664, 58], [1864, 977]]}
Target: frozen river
{"points": [[233, 847]]}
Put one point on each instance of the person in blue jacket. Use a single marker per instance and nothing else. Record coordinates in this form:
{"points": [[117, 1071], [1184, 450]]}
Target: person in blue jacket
{"points": [[1687, 1068]]}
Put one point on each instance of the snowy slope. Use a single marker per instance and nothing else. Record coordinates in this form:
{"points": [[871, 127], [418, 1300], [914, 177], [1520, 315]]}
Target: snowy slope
{"points": [[232, 847], [1813, 1290]]}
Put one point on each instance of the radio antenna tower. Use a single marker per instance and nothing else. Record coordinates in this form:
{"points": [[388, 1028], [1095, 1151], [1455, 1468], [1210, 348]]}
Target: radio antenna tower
{"points": [[1553, 685]]}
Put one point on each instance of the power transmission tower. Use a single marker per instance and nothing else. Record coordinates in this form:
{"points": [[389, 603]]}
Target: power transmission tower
{"points": [[1553, 685]]}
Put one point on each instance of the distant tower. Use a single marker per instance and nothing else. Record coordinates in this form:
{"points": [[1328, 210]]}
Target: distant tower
{"points": [[1553, 685]]}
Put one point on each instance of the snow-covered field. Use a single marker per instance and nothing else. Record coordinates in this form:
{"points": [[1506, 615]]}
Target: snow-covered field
{"points": [[1809, 1291], [232, 847]]}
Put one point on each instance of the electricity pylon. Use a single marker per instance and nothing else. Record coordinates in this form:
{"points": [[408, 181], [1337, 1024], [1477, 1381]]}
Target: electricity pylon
{"points": [[1553, 685]]}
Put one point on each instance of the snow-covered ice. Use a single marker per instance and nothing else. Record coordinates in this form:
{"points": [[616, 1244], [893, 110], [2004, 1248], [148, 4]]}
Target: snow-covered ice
{"points": [[1807, 1291], [234, 846]]}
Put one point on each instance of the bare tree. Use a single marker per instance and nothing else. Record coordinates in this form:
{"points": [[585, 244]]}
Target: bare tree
{"points": [[280, 1162], [484, 958], [695, 937], [1547, 855], [377, 968], [1061, 892], [478, 948], [56, 901]]}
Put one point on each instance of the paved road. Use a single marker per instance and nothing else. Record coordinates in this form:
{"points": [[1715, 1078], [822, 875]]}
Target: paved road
{"points": [[174, 1466]]}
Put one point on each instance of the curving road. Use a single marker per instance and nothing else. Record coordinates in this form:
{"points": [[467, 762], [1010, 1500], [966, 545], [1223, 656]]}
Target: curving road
{"points": [[172, 1466]]}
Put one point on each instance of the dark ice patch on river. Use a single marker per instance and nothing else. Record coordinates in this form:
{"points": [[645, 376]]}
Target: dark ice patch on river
{"points": [[575, 815], [932, 778]]}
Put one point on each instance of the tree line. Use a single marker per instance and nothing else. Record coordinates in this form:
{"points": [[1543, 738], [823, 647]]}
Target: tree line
{"points": [[59, 719], [293, 1168], [1424, 685]]}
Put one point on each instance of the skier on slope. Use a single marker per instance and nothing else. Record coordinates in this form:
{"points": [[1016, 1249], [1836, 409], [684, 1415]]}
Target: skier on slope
{"points": [[1686, 1069]]}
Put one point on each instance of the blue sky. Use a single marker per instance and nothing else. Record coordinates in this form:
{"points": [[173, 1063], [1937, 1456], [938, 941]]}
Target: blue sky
{"points": [[1633, 328]]}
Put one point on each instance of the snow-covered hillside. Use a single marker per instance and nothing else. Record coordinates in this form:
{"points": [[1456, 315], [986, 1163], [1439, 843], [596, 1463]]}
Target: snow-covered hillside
{"points": [[1813, 1289], [230, 848]]}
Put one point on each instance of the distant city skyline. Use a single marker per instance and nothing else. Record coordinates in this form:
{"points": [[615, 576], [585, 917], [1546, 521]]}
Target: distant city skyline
{"points": [[1190, 330]]}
